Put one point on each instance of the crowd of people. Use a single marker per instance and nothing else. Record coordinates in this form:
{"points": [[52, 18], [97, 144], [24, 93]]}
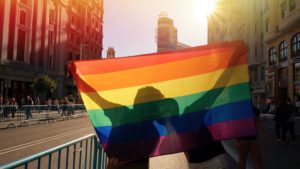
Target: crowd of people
{"points": [[284, 117], [9, 106], [284, 120]]}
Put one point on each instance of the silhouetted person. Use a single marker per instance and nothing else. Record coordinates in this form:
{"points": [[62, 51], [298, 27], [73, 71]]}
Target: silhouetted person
{"points": [[6, 107], [28, 107], [285, 109], [147, 134], [14, 106], [1, 103], [71, 102], [289, 121], [65, 106], [250, 144], [209, 155]]}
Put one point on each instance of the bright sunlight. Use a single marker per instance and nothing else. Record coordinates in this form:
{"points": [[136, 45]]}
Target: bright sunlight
{"points": [[203, 8]]}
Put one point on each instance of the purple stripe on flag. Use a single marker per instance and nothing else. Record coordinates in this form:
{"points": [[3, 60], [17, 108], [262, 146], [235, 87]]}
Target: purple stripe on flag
{"points": [[229, 129], [173, 143]]}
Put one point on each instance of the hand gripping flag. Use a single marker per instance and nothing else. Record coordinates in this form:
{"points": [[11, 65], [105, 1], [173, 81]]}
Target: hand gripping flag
{"points": [[162, 103]]}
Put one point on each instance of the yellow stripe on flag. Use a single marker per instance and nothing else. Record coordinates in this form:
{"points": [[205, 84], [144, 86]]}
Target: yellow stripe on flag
{"points": [[170, 89]]}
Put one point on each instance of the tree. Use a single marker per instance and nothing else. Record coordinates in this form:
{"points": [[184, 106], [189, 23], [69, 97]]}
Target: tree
{"points": [[44, 84]]}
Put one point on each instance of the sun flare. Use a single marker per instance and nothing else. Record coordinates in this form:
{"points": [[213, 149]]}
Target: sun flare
{"points": [[203, 8]]}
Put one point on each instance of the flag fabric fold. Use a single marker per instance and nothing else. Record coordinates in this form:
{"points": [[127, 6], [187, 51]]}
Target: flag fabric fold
{"points": [[164, 103]]}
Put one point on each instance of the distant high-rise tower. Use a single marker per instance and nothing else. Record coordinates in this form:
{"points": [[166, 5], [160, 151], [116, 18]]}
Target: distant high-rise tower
{"points": [[166, 37], [110, 53]]}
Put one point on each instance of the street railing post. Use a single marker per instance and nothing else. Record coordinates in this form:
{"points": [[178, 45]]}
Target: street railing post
{"points": [[95, 153]]}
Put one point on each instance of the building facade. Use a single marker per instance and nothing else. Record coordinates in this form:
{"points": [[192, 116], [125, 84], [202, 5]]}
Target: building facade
{"points": [[40, 37], [282, 48], [241, 20], [166, 35]]}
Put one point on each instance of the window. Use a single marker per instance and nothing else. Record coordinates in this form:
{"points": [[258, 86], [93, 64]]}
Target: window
{"points": [[50, 62], [52, 16], [70, 57], [284, 10], [272, 56], [292, 5], [51, 39], [283, 74], [267, 26], [266, 5], [22, 18], [262, 74], [296, 45], [297, 71], [21, 45], [283, 46]]}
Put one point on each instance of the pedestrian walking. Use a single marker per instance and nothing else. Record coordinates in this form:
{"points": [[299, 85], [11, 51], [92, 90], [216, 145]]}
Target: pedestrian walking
{"points": [[37, 101], [64, 106], [56, 105], [6, 108], [13, 107], [1, 105], [273, 107], [28, 107], [49, 104], [289, 124], [71, 102], [279, 120]]}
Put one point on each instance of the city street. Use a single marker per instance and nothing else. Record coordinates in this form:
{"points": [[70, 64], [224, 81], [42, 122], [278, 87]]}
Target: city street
{"points": [[24, 141], [20, 142]]}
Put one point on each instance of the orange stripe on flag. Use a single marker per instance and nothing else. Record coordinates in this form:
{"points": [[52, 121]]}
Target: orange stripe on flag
{"points": [[162, 72], [112, 65]]}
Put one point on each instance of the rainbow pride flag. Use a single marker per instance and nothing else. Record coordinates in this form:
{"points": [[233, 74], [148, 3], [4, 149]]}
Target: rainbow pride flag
{"points": [[162, 103]]}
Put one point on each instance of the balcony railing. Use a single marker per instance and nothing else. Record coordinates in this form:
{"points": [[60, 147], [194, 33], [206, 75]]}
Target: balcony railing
{"points": [[290, 21]]}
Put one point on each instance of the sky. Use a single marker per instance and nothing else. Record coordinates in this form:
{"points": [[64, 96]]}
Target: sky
{"points": [[130, 25]]}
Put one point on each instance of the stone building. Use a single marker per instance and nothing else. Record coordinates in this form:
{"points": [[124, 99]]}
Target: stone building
{"points": [[241, 20], [39, 37], [166, 35], [111, 53], [282, 48]]}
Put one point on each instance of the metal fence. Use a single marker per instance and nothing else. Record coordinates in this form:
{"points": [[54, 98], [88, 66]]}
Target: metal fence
{"points": [[83, 153], [13, 115]]}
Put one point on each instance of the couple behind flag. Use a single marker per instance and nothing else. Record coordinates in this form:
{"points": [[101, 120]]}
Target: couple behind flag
{"points": [[184, 100], [213, 152]]}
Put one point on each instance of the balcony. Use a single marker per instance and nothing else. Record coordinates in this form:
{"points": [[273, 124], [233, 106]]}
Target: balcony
{"points": [[271, 35], [291, 21]]}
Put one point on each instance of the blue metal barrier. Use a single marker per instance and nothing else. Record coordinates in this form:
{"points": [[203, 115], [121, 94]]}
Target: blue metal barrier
{"points": [[13, 116], [84, 153]]}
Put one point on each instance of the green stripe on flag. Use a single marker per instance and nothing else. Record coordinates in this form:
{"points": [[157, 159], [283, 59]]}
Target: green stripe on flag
{"points": [[148, 111]]}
